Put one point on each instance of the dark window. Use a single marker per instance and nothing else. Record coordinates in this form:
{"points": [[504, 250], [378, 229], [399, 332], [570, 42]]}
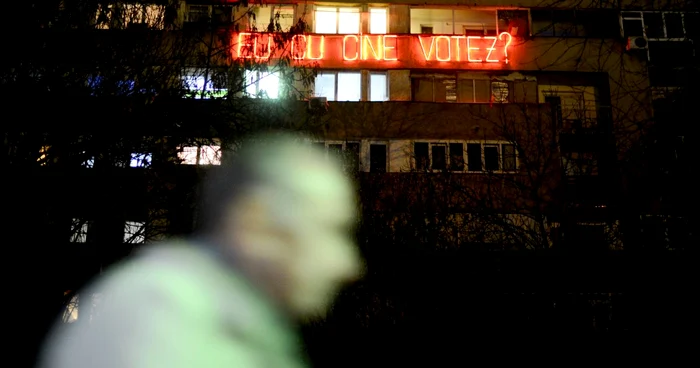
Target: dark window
{"points": [[353, 155], [491, 158], [426, 30], [377, 158], [654, 24], [474, 157], [555, 103], [456, 157], [439, 157], [632, 27], [422, 155], [674, 25], [508, 157], [336, 149], [692, 25]]}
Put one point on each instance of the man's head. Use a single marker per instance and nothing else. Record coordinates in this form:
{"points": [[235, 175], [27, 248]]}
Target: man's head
{"points": [[284, 211]]}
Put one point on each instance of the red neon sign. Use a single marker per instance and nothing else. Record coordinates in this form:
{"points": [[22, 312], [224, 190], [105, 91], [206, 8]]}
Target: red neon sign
{"points": [[404, 51]]}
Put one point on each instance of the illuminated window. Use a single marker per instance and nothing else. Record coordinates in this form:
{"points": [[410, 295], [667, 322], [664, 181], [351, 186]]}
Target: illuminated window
{"points": [[337, 20], [70, 313], [135, 232], [378, 87], [279, 18], [339, 86], [204, 86], [378, 20], [130, 15], [88, 306], [492, 157], [438, 156], [500, 91], [43, 155], [262, 84], [454, 21], [140, 160], [79, 230], [204, 154]]}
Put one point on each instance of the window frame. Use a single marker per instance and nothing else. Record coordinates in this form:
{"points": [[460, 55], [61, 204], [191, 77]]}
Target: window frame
{"points": [[137, 237], [448, 156], [337, 18], [335, 73], [199, 145], [501, 157]]}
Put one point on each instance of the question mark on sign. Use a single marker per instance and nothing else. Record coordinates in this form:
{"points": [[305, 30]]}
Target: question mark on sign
{"points": [[505, 48]]}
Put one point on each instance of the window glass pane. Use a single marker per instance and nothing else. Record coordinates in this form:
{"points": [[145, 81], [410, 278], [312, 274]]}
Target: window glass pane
{"points": [[188, 155], [349, 87], [140, 160], [456, 157], [325, 20], [377, 158], [491, 158], [210, 155], [474, 157], [439, 157], [269, 85], [377, 20], [674, 25], [438, 20], [508, 157], [325, 86], [654, 25], [349, 21], [377, 87], [420, 150]]}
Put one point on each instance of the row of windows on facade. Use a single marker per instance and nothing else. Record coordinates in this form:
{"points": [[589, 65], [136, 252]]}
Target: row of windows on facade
{"points": [[187, 155], [480, 157], [547, 22], [134, 231], [326, 19]]}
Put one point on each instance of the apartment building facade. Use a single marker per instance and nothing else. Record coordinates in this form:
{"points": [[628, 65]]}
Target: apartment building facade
{"points": [[492, 125]]}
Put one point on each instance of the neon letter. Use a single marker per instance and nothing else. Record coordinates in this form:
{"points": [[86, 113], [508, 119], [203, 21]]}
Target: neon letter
{"points": [[470, 48], [389, 48], [357, 52], [269, 46], [493, 47], [432, 44], [437, 48], [302, 48], [457, 38], [366, 41], [310, 43], [505, 48], [241, 37]]}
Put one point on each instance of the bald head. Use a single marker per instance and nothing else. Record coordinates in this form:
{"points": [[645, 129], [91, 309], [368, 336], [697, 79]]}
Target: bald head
{"points": [[286, 211]]}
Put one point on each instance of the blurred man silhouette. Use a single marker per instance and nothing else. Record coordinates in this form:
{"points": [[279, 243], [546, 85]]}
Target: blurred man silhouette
{"points": [[274, 248]]}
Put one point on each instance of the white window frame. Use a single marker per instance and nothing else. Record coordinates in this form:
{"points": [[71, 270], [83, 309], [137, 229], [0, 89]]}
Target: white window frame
{"points": [[448, 154], [337, 17], [639, 15], [336, 73], [501, 159]]}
